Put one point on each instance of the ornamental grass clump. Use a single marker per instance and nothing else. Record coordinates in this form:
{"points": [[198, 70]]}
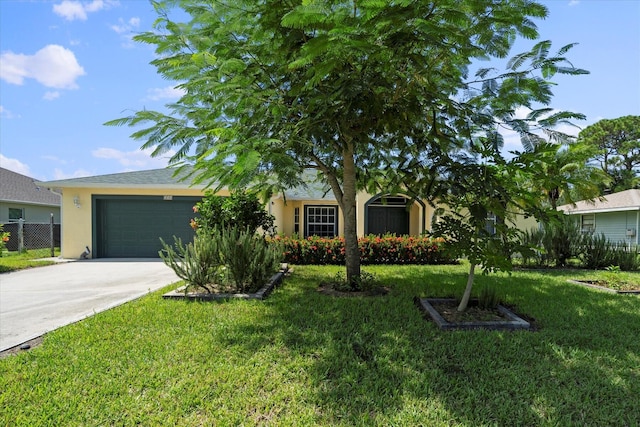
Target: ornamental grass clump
{"points": [[250, 259], [227, 253], [198, 263], [228, 259]]}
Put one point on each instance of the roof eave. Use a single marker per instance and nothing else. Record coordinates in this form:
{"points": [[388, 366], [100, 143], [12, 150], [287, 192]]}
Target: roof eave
{"points": [[62, 186], [590, 211]]}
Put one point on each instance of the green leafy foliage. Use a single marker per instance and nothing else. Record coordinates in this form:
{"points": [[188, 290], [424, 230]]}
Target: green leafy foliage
{"points": [[242, 210], [614, 146], [250, 259], [4, 238], [599, 253], [373, 250], [224, 259], [198, 263], [367, 93], [488, 298], [554, 243], [485, 194], [366, 282]]}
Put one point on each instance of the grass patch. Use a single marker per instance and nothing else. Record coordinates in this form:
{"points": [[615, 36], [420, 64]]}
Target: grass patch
{"points": [[11, 261], [304, 358]]}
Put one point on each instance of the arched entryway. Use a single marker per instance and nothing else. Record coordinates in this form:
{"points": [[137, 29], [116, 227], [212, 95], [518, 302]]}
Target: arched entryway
{"points": [[386, 214]]}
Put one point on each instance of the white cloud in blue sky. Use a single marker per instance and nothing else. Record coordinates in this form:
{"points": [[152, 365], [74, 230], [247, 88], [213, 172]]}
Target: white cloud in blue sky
{"points": [[72, 9], [164, 93], [52, 66], [133, 160]]}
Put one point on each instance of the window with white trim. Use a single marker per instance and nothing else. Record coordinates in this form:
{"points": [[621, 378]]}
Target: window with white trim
{"points": [[321, 221], [490, 224], [296, 220], [588, 223]]}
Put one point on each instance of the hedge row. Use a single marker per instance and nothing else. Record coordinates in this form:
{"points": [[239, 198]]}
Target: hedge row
{"points": [[373, 250]]}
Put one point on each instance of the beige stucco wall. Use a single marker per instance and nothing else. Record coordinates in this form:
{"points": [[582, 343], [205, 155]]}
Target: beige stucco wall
{"points": [[77, 231], [284, 213], [76, 227]]}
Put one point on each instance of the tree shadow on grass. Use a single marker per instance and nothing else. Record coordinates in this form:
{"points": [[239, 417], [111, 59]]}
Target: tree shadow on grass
{"points": [[375, 360]]}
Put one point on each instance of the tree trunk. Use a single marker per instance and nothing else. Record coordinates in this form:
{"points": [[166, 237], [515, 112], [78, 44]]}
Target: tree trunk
{"points": [[352, 252], [467, 292]]}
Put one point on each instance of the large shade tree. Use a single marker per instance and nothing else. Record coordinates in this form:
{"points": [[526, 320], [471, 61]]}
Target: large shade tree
{"points": [[371, 94], [615, 147]]}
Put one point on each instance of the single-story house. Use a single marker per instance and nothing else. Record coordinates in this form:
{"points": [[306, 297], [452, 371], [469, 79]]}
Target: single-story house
{"points": [[22, 198], [617, 216], [125, 214]]}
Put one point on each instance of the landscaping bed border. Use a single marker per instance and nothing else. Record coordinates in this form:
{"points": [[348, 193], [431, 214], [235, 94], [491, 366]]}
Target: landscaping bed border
{"points": [[512, 322], [261, 294]]}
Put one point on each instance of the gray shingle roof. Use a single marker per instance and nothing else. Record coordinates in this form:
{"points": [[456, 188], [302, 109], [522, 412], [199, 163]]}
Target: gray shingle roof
{"points": [[313, 190], [18, 188], [628, 200], [154, 178], [165, 178]]}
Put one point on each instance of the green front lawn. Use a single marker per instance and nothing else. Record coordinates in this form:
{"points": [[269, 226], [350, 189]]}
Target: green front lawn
{"points": [[303, 358], [11, 261]]}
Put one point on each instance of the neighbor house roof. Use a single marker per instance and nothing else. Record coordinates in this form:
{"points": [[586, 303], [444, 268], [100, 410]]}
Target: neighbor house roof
{"points": [[166, 178], [18, 188], [628, 200]]}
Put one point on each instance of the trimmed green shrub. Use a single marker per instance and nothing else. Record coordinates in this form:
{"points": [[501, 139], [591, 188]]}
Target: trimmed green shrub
{"points": [[373, 250], [239, 209]]}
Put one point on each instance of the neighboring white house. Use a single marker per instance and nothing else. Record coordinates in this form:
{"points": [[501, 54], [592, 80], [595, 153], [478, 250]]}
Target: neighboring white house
{"points": [[21, 198], [617, 216]]}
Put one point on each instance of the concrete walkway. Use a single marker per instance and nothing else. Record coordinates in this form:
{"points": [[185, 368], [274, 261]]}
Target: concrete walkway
{"points": [[39, 300]]}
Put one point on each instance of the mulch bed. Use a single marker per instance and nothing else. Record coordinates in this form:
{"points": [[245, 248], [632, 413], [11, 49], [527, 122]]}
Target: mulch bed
{"points": [[329, 289]]}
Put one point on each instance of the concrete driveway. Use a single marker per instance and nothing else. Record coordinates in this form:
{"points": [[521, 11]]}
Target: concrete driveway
{"points": [[39, 300]]}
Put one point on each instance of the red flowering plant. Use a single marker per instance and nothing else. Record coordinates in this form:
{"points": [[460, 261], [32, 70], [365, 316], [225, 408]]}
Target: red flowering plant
{"points": [[4, 238], [373, 250]]}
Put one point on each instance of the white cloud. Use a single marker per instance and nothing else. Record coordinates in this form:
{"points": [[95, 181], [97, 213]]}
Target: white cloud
{"points": [[14, 165], [79, 173], [56, 159], [51, 95], [6, 114], [574, 2], [169, 92], [133, 160], [74, 9], [52, 66], [125, 27]]}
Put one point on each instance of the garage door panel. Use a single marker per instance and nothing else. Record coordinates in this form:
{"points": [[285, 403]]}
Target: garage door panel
{"points": [[132, 227]]}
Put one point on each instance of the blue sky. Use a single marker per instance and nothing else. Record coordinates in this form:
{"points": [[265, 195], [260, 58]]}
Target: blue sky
{"points": [[68, 66]]}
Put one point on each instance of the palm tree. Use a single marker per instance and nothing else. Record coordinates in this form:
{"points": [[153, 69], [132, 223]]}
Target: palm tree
{"points": [[568, 177]]}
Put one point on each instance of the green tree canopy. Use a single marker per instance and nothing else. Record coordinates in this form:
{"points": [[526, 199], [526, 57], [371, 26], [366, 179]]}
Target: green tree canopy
{"points": [[369, 93], [615, 147], [566, 175]]}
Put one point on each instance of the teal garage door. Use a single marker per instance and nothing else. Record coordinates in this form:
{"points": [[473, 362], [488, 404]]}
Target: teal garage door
{"points": [[131, 227]]}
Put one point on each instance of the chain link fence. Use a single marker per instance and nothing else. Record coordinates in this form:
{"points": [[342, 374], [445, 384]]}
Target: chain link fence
{"points": [[32, 235]]}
